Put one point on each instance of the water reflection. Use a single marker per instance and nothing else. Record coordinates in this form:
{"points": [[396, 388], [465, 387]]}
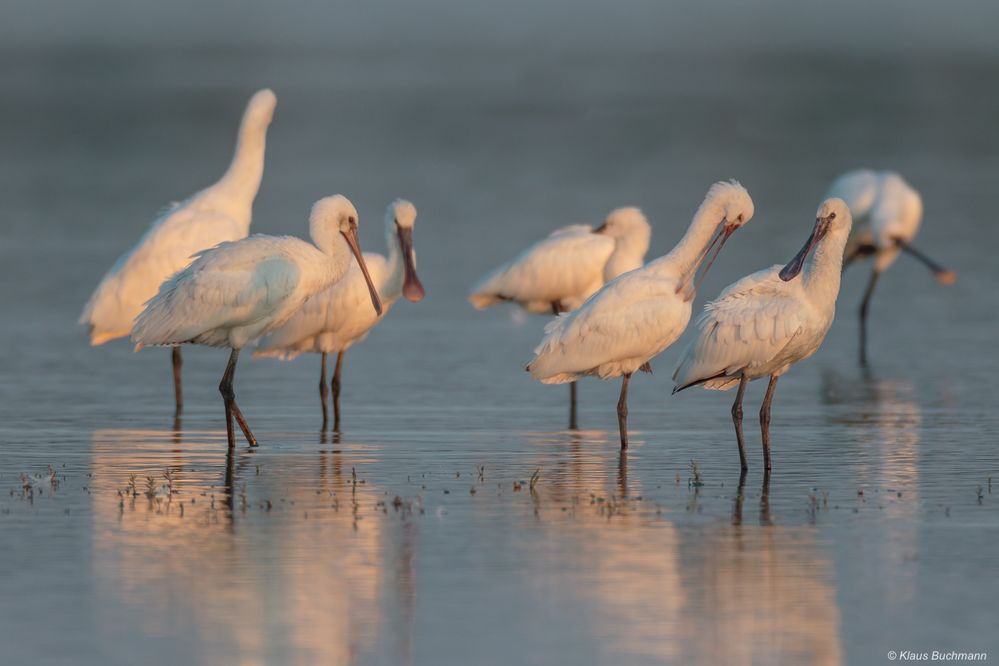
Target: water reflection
{"points": [[249, 562], [655, 588], [884, 419]]}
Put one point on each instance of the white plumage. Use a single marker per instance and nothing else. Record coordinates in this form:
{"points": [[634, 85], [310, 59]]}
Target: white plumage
{"points": [[219, 213], [887, 213], [886, 210], [565, 268], [640, 313], [766, 322], [237, 291], [340, 316]]}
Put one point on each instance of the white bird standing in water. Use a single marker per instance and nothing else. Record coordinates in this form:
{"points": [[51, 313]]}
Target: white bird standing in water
{"points": [[216, 214], [237, 291], [887, 212], [639, 314], [558, 273], [337, 318], [768, 321]]}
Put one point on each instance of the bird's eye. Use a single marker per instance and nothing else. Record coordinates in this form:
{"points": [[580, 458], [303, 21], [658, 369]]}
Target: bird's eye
{"points": [[832, 216], [351, 220], [739, 219]]}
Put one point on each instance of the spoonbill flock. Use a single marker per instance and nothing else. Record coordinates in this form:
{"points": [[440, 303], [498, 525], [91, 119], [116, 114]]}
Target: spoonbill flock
{"points": [[196, 277]]}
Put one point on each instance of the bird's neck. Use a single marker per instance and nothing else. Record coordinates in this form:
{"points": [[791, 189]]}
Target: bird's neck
{"points": [[238, 187], [629, 254], [391, 288], [822, 273], [684, 259]]}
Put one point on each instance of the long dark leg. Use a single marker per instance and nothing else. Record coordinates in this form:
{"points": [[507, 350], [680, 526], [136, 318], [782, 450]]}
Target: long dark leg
{"points": [[622, 411], [336, 391], [556, 309], [765, 420], [875, 274], [765, 500], [178, 394], [231, 409], [228, 395], [323, 390], [737, 420], [572, 406], [740, 498]]}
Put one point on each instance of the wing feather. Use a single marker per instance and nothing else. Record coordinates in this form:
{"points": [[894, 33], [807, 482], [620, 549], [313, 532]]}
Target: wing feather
{"points": [[568, 263], [623, 321], [224, 286], [747, 326]]}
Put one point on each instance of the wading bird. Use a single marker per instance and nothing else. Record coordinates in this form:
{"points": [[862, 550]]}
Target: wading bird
{"points": [[237, 291], [768, 321], [887, 212], [340, 316], [639, 314], [557, 274], [216, 214]]}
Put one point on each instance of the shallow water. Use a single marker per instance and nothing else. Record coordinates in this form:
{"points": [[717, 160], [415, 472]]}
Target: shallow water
{"points": [[455, 521]]}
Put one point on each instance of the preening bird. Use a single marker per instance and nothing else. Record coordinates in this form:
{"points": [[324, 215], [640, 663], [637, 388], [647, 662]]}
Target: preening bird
{"points": [[238, 291], [337, 318], [558, 273], [216, 214], [887, 212], [634, 317], [768, 321]]}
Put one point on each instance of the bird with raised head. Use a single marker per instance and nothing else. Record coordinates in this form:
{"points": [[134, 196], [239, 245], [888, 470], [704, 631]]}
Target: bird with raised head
{"points": [[238, 291], [337, 318], [766, 322], [221, 212]]}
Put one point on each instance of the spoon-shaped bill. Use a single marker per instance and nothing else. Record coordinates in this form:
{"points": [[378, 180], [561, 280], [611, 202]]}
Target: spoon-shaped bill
{"points": [[725, 233], [943, 275], [793, 268], [355, 247], [412, 288]]}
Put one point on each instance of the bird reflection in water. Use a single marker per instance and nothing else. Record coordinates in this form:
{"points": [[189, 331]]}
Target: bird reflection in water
{"points": [[883, 422], [256, 561]]}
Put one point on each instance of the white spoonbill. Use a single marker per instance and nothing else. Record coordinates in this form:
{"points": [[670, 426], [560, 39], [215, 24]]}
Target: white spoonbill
{"points": [[768, 321], [218, 213], [237, 291], [887, 212], [558, 273], [639, 314], [335, 319]]}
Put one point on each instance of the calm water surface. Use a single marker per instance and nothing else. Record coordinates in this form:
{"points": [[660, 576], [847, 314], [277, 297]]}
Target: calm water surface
{"points": [[455, 521]]}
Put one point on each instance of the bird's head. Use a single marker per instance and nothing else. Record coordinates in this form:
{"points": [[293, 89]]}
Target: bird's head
{"points": [[736, 205], [732, 200], [624, 221], [338, 213], [832, 217], [629, 229], [400, 219], [260, 110]]}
